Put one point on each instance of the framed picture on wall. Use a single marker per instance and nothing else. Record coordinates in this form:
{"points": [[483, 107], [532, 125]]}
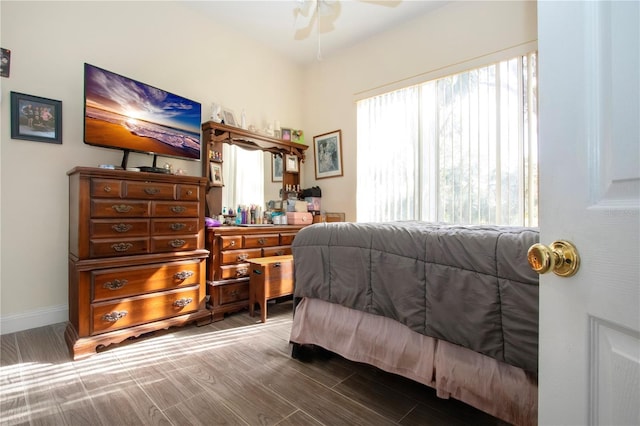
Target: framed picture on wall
{"points": [[276, 168], [36, 119], [327, 150]]}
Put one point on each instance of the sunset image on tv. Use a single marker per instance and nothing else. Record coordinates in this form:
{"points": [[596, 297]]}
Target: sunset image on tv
{"points": [[126, 114]]}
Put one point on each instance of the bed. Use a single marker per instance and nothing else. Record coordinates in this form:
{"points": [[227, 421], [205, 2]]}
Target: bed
{"points": [[452, 307]]}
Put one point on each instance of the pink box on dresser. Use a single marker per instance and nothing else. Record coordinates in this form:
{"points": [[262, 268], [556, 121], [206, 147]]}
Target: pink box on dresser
{"points": [[299, 218]]}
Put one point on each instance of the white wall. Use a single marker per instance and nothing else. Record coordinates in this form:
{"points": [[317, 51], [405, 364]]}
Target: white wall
{"points": [[455, 33], [159, 43]]}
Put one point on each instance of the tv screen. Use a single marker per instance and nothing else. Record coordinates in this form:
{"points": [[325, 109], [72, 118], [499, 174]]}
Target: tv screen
{"points": [[126, 114]]}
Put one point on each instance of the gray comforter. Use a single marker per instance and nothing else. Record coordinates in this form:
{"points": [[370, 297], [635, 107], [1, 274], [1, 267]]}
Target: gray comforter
{"points": [[469, 285]]}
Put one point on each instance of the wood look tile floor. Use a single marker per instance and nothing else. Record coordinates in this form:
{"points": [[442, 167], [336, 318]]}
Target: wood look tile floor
{"points": [[233, 372]]}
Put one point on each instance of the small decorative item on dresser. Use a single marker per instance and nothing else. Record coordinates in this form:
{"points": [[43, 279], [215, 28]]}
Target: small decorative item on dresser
{"points": [[229, 118], [216, 174], [5, 62], [36, 119], [291, 164], [286, 134]]}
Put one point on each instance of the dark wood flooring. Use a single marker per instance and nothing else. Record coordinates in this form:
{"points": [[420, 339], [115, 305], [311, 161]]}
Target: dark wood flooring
{"points": [[233, 372]]}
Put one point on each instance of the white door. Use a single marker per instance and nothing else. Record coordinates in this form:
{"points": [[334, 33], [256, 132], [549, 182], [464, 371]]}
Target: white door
{"points": [[589, 91]]}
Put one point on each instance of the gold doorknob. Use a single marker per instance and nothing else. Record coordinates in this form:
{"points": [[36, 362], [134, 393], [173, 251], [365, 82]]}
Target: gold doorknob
{"points": [[561, 257]]}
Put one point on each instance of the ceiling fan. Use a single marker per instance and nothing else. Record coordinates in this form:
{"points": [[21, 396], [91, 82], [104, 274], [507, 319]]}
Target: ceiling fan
{"points": [[322, 14]]}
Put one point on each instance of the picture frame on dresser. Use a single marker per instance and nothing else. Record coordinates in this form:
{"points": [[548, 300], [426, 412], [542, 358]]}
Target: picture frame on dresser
{"points": [[216, 174], [36, 119], [291, 163]]}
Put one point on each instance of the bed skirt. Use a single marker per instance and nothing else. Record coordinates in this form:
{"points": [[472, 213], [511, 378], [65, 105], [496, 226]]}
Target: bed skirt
{"points": [[501, 390]]}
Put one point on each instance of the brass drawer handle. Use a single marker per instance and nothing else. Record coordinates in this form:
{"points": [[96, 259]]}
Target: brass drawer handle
{"points": [[177, 243], [106, 188], [241, 272], [178, 226], [122, 227], [183, 275], [233, 293], [190, 192], [122, 208], [115, 284], [151, 191], [242, 257], [181, 303], [178, 209], [232, 244], [114, 316], [279, 252], [121, 247], [261, 241]]}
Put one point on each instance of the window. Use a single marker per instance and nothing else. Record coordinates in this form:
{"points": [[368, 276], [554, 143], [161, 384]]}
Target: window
{"points": [[459, 149]]}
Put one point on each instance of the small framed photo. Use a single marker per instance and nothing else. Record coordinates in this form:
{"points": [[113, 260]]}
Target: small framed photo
{"points": [[291, 163], [276, 168], [5, 62], [286, 134], [229, 118], [216, 174], [327, 150], [36, 119]]}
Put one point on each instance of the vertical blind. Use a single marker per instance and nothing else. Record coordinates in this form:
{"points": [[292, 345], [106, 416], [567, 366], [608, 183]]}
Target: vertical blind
{"points": [[459, 149]]}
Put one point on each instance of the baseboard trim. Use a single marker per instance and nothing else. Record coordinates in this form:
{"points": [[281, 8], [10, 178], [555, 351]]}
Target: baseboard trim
{"points": [[33, 319]]}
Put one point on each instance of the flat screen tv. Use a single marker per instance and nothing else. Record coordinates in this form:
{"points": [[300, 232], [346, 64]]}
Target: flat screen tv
{"points": [[126, 114]]}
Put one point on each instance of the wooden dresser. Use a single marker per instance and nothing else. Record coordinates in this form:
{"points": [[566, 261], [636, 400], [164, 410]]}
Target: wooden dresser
{"points": [[228, 270], [137, 260]]}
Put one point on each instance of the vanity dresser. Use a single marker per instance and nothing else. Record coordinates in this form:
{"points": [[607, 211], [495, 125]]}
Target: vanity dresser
{"points": [[230, 247], [137, 257]]}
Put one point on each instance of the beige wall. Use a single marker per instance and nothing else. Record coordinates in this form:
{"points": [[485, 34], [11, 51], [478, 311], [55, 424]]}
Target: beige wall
{"points": [[159, 43], [174, 48], [453, 34]]}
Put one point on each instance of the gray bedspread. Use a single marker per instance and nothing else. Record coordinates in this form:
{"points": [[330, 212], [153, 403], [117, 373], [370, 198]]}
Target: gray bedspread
{"points": [[469, 285]]}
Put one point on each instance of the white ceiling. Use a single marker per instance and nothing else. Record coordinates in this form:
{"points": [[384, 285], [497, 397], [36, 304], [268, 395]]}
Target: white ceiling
{"points": [[274, 23]]}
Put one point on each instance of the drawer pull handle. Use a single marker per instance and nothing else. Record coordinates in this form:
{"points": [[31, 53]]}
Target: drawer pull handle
{"points": [[242, 257], [122, 227], [177, 243], [122, 208], [106, 188], [151, 191], [178, 226], [241, 272], [181, 303], [261, 241], [279, 252], [276, 265], [190, 192], [121, 247], [115, 284], [114, 316], [178, 209], [232, 244], [183, 275], [233, 293]]}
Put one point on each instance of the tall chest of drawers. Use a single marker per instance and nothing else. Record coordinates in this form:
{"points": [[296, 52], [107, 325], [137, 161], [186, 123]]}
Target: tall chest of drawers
{"points": [[137, 261], [230, 248]]}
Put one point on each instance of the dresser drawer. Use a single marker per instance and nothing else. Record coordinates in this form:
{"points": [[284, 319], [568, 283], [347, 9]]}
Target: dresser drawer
{"points": [[238, 270], [266, 240], [111, 228], [132, 281], [122, 313], [118, 247], [106, 188], [235, 256], [232, 242], [177, 243], [119, 208], [276, 251], [287, 239], [230, 293], [188, 192], [150, 190], [174, 226], [175, 209]]}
